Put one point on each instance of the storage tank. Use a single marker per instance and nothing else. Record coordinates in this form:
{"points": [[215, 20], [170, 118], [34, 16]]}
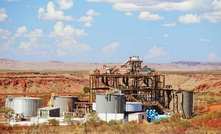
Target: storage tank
{"points": [[110, 103], [133, 106], [187, 103], [65, 103], [27, 106]]}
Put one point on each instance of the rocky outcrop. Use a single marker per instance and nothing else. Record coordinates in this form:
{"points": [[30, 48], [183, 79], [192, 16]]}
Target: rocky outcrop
{"points": [[32, 82]]}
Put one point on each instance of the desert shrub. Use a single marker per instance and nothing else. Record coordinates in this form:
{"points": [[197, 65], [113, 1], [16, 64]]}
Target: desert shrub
{"points": [[8, 112], [53, 122], [93, 120], [112, 122], [175, 118], [86, 89]]}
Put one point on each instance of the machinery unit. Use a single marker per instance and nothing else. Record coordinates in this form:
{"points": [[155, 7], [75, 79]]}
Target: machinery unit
{"points": [[110, 103], [24, 105]]}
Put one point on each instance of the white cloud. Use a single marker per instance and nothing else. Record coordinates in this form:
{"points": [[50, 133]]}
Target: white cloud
{"points": [[60, 30], [4, 33], [21, 30], [160, 5], [91, 12], [34, 35], [165, 35], [169, 25], [65, 4], [7, 44], [204, 40], [32, 44], [89, 19], [189, 18], [25, 46], [155, 52], [128, 14], [213, 17], [110, 49], [209, 9], [149, 16], [52, 14], [212, 57], [3, 15], [126, 7], [71, 47]]}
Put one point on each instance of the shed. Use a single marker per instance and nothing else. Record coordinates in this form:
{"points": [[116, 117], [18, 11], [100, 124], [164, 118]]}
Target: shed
{"points": [[139, 117], [49, 112]]}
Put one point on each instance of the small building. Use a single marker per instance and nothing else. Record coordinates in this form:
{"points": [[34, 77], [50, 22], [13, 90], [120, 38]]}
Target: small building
{"points": [[47, 112], [111, 116], [139, 117]]}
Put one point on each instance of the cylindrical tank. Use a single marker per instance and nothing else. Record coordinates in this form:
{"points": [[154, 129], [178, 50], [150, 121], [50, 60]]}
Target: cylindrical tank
{"points": [[27, 106], [110, 103], [187, 103], [133, 106], [65, 103]]}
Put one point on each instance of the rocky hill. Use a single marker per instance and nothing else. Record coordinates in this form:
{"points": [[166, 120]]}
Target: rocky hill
{"points": [[44, 77], [6, 64]]}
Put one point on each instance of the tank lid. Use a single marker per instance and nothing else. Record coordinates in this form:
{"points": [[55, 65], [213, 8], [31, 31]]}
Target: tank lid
{"points": [[25, 98]]}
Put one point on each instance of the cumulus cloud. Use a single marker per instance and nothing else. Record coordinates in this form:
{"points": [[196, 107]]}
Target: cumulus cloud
{"points": [[149, 16], [155, 52], [7, 44], [165, 35], [212, 57], [61, 31], [204, 40], [169, 25], [88, 20], [21, 30], [91, 12], [51, 14], [189, 18], [209, 9], [213, 17], [4, 33], [32, 44], [110, 49], [3, 15], [128, 14], [65, 4], [71, 47]]}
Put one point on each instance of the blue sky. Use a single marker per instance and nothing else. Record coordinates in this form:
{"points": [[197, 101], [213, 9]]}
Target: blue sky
{"points": [[159, 31]]}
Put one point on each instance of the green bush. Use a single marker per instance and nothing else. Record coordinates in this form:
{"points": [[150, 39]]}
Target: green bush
{"points": [[86, 89]]}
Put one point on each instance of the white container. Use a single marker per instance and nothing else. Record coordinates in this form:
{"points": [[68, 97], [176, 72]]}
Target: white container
{"points": [[133, 106], [27, 106]]}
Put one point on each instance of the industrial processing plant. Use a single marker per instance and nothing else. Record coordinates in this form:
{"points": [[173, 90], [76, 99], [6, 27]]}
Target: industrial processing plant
{"points": [[130, 89], [127, 92]]}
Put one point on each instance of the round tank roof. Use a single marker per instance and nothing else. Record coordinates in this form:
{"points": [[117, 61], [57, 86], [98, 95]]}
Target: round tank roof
{"points": [[25, 98]]}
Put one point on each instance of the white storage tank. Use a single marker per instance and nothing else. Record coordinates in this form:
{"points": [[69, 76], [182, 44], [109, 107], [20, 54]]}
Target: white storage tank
{"points": [[110, 103], [133, 106], [27, 106], [65, 103]]}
